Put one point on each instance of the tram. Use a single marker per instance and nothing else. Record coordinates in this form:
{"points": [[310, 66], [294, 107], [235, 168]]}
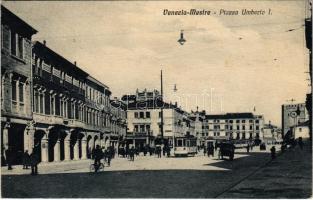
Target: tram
{"points": [[185, 146]]}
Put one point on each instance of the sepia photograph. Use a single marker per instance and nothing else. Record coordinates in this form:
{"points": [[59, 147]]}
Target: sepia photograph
{"points": [[156, 99]]}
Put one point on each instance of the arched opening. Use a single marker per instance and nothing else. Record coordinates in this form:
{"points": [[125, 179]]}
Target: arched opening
{"points": [[89, 146], [73, 140], [62, 136], [39, 134], [16, 142], [52, 140], [80, 146]]}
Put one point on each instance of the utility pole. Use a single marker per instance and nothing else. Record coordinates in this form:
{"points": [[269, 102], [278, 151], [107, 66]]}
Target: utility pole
{"points": [[162, 119]]}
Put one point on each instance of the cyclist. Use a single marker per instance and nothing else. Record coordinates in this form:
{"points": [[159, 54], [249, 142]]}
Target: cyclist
{"points": [[98, 155]]}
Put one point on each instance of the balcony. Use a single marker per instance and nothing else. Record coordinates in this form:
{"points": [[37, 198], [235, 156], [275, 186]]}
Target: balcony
{"points": [[48, 119], [76, 123]]}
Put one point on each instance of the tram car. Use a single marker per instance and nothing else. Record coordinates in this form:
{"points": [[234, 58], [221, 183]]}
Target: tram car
{"points": [[185, 146]]}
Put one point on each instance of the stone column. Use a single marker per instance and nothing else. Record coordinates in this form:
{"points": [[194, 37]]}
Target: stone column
{"points": [[84, 149], [57, 150], [31, 133], [76, 151], [5, 139], [67, 149], [44, 150]]}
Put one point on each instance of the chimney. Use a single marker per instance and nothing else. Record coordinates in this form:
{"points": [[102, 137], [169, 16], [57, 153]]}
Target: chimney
{"points": [[75, 63], [44, 42]]}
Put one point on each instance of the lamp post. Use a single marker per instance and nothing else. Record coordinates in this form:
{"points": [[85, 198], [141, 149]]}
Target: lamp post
{"points": [[162, 119]]}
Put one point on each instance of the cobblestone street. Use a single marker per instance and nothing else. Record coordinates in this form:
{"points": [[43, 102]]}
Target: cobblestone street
{"points": [[191, 177]]}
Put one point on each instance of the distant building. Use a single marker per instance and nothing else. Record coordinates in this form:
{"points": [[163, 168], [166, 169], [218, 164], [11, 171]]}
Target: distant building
{"points": [[271, 133], [292, 115], [201, 127], [301, 130], [16, 82], [144, 120], [237, 126]]}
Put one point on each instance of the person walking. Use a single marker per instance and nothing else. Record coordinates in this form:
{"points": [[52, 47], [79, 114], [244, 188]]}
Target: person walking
{"points": [[273, 152], [248, 148], [26, 160], [98, 155], [204, 151], [9, 157], [168, 151], [108, 156], [34, 160], [300, 142], [132, 153]]}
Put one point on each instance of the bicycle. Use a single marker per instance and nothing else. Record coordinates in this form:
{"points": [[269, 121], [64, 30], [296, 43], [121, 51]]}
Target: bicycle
{"points": [[93, 167]]}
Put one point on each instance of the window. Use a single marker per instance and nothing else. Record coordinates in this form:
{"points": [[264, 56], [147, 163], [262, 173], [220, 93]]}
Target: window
{"points": [[141, 115], [230, 121], [238, 127], [300, 129], [257, 121], [13, 43], [14, 90], [243, 127], [142, 128], [243, 135], [237, 121], [41, 103], [17, 45], [136, 115], [230, 127], [243, 121], [136, 128], [147, 114], [251, 127], [250, 121], [21, 92], [257, 127], [148, 127]]}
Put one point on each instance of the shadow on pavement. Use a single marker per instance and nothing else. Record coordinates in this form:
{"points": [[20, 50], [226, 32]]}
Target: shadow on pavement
{"points": [[241, 162], [119, 184]]}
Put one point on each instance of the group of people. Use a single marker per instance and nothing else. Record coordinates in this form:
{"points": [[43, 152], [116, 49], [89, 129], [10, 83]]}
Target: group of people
{"points": [[130, 151], [101, 153], [28, 160]]}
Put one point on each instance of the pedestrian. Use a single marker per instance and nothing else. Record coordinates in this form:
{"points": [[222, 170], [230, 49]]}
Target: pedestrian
{"points": [[132, 154], [34, 160], [26, 160], [164, 150], [108, 156], [159, 152], [204, 151], [248, 148], [300, 142], [150, 151], [273, 152], [98, 155], [145, 150], [9, 157]]}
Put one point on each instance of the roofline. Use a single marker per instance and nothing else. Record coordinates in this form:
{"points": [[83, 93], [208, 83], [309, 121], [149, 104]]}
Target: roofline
{"points": [[33, 30]]}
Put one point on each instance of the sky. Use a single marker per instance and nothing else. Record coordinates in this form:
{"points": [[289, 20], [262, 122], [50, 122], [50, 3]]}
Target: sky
{"points": [[228, 64]]}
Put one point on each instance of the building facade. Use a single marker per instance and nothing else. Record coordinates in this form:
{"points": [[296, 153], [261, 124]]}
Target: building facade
{"points": [[292, 115], [237, 126], [16, 83], [271, 133], [71, 109], [144, 120]]}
